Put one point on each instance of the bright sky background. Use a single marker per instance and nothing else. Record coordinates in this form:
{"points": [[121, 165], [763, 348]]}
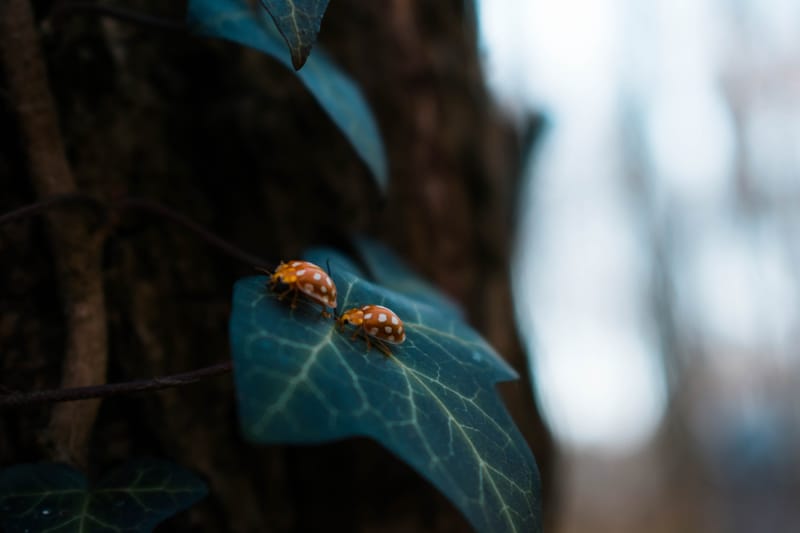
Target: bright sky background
{"points": [[600, 70]]}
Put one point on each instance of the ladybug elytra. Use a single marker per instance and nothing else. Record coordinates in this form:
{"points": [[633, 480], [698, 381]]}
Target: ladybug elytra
{"points": [[303, 277], [375, 322]]}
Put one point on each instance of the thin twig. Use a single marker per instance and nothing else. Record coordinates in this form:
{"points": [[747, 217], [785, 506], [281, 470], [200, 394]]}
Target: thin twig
{"points": [[17, 399], [134, 204], [37, 208], [66, 9], [161, 210]]}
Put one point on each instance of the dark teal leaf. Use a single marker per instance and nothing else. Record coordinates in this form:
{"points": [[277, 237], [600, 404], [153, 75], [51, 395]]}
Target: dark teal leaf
{"points": [[333, 260], [132, 499], [298, 21], [387, 269], [339, 96], [433, 403]]}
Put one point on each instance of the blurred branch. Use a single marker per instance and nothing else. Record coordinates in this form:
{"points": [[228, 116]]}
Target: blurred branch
{"points": [[133, 204], [36, 208], [64, 10], [17, 399], [150, 206]]}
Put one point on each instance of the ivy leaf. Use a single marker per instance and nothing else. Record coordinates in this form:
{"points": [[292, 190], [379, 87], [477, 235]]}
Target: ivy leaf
{"points": [[299, 22], [131, 499], [433, 402], [390, 271], [338, 95]]}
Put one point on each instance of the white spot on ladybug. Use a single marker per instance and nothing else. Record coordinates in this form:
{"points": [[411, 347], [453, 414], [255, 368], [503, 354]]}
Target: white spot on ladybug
{"points": [[308, 287], [296, 263], [391, 337], [323, 288], [329, 282], [367, 316], [381, 317], [394, 320], [317, 276], [399, 329], [373, 331], [388, 329], [301, 271]]}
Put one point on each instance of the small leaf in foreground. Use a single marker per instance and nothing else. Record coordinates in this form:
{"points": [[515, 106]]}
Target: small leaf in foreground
{"points": [[299, 22], [433, 402], [387, 269], [131, 499], [338, 95]]}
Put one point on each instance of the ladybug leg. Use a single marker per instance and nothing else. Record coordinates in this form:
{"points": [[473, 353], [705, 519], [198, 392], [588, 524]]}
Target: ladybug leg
{"points": [[325, 313], [366, 337], [294, 300], [284, 294], [383, 348]]}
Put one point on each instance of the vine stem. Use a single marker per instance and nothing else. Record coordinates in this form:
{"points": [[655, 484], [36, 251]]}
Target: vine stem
{"points": [[77, 250], [17, 399], [161, 210], [133, 204], [42, 206], [66, 9]]}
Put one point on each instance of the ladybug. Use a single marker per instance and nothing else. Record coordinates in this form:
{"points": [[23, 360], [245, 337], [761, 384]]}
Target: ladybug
{"points": [[375, 321], [307, 278]]}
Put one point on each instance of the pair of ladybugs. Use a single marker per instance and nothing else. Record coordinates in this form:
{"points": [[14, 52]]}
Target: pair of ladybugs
{"points": [[374, 322]]}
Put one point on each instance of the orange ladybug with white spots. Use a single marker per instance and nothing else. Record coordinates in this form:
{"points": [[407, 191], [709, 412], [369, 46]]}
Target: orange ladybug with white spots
{"points": [[377, 322], [306, 278]]}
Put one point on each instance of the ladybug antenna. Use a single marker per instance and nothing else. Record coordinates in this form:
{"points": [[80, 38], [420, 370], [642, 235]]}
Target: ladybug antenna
{"points": [[328, 268], [265, 270]]}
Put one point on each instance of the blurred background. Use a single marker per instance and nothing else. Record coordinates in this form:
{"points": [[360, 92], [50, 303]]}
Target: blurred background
{"points": [[656, 277]]}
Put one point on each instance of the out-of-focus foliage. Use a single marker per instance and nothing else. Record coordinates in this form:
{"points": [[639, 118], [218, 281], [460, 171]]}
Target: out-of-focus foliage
{"points": [[338, 95], [131, 499], [387, 269]]}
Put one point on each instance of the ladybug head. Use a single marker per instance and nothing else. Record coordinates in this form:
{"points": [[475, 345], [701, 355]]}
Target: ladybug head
{"points": [[352, 316], [285, 273]]}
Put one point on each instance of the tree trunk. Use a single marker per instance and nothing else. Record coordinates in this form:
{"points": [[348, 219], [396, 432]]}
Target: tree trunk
{"points": [[232, 139]]}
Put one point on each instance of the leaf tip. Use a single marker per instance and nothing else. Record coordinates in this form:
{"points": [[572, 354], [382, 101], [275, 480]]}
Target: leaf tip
{"points": [[300, 56]]}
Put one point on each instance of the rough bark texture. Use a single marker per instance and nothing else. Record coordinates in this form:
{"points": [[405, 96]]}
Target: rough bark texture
{"points": [[77, 249], [229, 137]]}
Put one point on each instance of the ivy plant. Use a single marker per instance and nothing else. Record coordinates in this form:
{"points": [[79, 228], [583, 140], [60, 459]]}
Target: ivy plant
{"points": [[433, 402], [338, 95], [385, 268], [131, 499]]}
